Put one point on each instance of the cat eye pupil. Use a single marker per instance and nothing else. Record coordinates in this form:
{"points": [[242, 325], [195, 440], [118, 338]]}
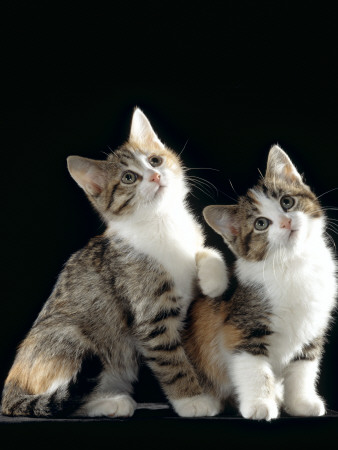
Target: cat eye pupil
{"points": [[287, 202], [155, 161], [262, 223], [129, 177]]}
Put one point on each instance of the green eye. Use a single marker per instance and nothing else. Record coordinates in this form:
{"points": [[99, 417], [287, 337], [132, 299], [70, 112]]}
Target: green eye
{"points": [[262, 223], [155, 161], [129, 177], [287, 202]]}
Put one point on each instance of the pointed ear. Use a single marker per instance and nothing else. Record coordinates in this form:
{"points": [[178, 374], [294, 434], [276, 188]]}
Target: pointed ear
{"points": [[89, 174], [222, 218], [280, 165], [142, 132]]}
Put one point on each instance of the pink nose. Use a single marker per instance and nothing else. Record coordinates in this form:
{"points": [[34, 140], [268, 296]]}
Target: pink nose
{"points": [[285, 223], [155, 177]]}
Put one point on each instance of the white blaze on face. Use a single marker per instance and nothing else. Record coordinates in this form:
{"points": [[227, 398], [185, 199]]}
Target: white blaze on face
{"points": [[288, 229]]}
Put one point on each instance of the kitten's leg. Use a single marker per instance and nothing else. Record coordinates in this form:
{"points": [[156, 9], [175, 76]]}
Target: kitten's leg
{"points": [[110, 405], [115, 402], [254, 384], [167, 359], [51, 375], [112, 396], [300, 396], [212, 272]]}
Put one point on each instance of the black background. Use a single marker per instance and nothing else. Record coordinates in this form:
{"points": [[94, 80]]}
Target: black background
{"points": [[225, 80]]}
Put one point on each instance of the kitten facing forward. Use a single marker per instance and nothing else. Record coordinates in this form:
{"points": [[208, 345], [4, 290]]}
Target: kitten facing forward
{"points": [[262, 342], [123, 295]]}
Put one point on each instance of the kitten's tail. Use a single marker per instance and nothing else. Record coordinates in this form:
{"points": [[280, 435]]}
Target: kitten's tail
{"points": [[63, 401]]}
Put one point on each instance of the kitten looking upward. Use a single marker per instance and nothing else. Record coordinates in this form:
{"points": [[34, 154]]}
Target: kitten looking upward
{"points": [[123, 296], [262, 343]]}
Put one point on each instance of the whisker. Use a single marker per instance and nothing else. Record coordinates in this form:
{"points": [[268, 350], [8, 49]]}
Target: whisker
{"points": [[112, 151], [196, 182], [326, 208], [233, 188], [202, 190], [332, 223], [332, 240], [333, 230], [190, 193], [321, 195], [201, 168], [183, 147], [260, 173], [203, 181]]}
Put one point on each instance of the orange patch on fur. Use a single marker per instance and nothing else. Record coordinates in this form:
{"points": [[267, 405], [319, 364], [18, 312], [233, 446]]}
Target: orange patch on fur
{"points": [[232, 336], [200, 255], [35, 377], [253, 197], [202, 341]]}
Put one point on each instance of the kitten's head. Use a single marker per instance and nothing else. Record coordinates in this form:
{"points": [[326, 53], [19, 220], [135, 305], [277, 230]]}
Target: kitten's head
{"points": [[280, 213], [143, 173]]}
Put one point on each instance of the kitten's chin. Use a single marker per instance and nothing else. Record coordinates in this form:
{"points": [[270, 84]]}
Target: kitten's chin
{"points": [[168, 195]]}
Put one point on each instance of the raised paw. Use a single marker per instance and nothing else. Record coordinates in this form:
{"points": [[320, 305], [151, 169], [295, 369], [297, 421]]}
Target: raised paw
{"points": [[261, 409], [304, 406], [114, 406], [212, 276], [197, 406]]}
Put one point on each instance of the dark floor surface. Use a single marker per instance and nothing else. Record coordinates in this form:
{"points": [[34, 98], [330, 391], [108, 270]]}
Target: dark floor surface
{"points": [[157, 426]]}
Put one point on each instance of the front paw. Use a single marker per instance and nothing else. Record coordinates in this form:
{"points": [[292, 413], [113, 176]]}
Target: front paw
{"points": [[114, 406], [197, 406], [260, 409], [212, 276], [306, 406]]}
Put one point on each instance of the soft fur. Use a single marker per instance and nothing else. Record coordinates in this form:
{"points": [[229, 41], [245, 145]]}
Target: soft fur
{"points": [[262, 342], [122, 297]]}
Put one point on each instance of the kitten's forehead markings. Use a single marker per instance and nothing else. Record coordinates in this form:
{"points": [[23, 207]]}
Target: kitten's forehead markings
{"points": [[266, 203], [137, 162], [126, 153], [251, 194], [129, 158]]}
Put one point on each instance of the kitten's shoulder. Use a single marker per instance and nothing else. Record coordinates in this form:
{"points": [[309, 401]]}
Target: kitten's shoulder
{"points": [[96, 252]]}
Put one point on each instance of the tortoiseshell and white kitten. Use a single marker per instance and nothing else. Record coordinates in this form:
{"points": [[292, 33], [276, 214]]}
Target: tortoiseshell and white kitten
{"points": [[123, 295], [262, 342]]}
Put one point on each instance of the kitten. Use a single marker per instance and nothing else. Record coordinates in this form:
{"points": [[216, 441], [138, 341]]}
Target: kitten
{"points": [[262, 342], [122, 296]]}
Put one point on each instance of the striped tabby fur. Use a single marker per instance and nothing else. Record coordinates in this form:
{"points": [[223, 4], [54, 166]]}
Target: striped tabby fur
{"points": [[123, 297]]}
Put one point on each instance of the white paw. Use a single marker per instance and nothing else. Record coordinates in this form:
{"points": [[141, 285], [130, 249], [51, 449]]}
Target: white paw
{"points": [[261, 409], [198, 406], [212, 276], [312, 406], [115, 406]]}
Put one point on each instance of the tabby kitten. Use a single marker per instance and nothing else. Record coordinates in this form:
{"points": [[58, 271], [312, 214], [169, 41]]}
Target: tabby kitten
{"points": [[262, 342], [122, 296]]}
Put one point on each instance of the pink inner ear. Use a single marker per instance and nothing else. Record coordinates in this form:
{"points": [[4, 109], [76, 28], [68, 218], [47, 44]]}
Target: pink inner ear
{"points": [[233, 231], [94, 188], [289, 172]]}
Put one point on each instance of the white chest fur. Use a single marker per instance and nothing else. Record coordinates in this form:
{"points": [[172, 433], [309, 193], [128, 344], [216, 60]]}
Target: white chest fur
{"points": [[301, 293], [172, 240]]}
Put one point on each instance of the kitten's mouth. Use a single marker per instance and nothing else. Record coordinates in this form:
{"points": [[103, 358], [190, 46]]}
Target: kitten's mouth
{"points": [[292, 233]]}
